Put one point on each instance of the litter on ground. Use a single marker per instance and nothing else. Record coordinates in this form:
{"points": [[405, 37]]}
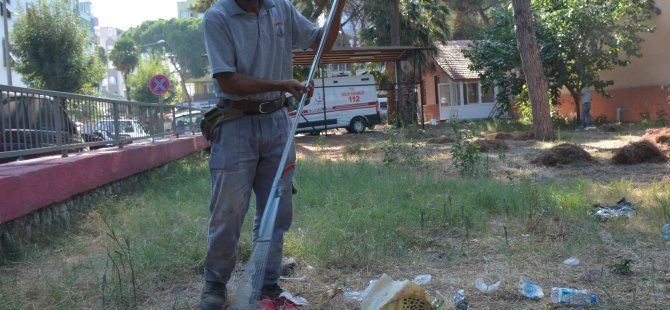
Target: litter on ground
{"points": [[572, 261], [529, 289], [621, 208], [401, 295], [488, 283]]}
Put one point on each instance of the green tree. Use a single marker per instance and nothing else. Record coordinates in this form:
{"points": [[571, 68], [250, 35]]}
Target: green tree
{"points": [[102, 54], [577, 39], [183, 46], [421, 23], [53, 50], [139, 82], [202, 5], [125, 56], [468, 18]]}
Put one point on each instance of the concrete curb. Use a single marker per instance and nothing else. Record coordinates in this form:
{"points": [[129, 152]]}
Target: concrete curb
{"points": [[33, 184]]}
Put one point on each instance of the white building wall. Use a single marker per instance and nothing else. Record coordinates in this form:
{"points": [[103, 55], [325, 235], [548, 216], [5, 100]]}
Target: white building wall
{"points": [[113, 81]]}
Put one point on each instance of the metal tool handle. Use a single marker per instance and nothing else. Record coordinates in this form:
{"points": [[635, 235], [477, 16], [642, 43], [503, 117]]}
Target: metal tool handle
{"points": [[270, 212]]}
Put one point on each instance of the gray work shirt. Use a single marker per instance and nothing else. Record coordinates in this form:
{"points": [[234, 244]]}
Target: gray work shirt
{"points": [[586, 95], [260, 46]]}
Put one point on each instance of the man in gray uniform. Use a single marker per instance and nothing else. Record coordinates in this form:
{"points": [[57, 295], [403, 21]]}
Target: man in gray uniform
{"points": [[586, 107], [249, 45]]}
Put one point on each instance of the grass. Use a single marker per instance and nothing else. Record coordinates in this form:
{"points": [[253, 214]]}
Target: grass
{"points": [[354, 219]]}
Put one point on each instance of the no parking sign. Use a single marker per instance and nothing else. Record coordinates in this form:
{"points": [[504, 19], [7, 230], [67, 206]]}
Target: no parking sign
{"points": [[159, 84]]}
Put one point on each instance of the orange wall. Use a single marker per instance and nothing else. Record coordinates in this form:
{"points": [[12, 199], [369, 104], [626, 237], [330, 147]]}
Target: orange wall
{"points": [[634, 101], [431, 109]]}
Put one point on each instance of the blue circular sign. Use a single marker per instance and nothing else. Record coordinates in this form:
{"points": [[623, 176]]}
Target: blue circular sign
{"points": [[159, 84]]}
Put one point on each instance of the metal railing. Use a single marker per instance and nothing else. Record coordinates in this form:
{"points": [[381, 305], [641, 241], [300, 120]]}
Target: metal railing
{"points": [[38, 122]]}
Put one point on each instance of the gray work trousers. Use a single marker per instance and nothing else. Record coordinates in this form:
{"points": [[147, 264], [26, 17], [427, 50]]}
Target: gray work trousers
{"points": [[245, 156]]}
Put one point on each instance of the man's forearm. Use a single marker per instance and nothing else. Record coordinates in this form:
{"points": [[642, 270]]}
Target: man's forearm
{"points": [[242, 84]]}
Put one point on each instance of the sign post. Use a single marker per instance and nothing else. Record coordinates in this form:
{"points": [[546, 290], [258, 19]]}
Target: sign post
{"points": [[159, 85]]}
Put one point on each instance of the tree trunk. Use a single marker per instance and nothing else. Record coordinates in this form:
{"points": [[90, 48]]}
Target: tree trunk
{"points": [[402, 118], [577, 97], [538, 85], [125, 81], [182, 77], [395, 22]]}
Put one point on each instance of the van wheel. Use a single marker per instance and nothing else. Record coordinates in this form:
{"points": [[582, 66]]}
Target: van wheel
{"points": [[357, 125]]}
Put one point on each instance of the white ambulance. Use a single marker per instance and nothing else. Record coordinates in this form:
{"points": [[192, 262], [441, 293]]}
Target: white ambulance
{"points": [[341, 102]]}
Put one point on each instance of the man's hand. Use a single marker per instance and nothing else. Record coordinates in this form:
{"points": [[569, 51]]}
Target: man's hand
{"points": [[297, 88]]}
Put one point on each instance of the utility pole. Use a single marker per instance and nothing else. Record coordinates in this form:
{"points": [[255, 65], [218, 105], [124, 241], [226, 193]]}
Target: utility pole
{"points": [[5, 41]]}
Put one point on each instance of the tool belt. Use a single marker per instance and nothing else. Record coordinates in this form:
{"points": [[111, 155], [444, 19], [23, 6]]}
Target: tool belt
{"points": [[228, 110]]}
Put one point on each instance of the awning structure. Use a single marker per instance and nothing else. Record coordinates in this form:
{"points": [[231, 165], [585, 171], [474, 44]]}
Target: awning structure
{"points": [[358, 55]]}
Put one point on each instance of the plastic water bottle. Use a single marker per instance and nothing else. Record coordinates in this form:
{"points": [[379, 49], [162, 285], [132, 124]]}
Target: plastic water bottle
{"points": [[460, 301], [529, 289], [561, 295]]}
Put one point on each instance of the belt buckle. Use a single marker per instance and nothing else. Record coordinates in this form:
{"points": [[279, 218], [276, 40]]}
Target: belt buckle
{"points": [[260, 107]]}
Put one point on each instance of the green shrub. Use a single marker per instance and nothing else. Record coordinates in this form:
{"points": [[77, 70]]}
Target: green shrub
{"points": [[660, 118], [645, 119]]}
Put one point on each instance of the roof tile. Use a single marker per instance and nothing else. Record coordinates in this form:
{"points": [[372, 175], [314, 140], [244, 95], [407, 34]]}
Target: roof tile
{"points": [[450, 58]]}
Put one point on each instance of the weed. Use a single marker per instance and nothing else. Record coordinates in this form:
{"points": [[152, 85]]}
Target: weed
{"points": [[644, 116], [465, 154], [123, 286], [320, 144], [660, 118], [623, 267], [600, 120], [399, 152], [354, 149]]}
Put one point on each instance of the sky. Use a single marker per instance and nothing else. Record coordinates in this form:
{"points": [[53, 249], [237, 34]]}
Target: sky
{"points": [[124, 14]]}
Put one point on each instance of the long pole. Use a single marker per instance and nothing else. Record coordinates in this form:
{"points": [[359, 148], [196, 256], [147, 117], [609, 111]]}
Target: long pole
{"points": [[5, 42]]}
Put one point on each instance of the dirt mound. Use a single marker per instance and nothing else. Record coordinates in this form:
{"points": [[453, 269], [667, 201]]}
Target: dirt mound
{"points": [[643, 151], [659, 136], [610, 127], [517, 136], [501, 136], [440, 140], [563, 154], [526, 135], [486, 146]]}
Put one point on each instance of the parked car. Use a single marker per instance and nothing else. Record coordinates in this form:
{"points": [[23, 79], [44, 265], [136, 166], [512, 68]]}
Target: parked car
{"points": [[90, 134], [34, 121], [127, 128], [187, 122]]}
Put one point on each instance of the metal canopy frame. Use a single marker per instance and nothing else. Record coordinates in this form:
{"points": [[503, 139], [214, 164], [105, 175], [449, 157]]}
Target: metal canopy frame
{"points": [[358, 54]]}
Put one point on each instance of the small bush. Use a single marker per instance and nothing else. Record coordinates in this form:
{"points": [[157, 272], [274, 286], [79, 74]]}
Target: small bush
{"points": [[623, 267], [465, 154], [645, 119], [600, 120], [660, 118]]}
